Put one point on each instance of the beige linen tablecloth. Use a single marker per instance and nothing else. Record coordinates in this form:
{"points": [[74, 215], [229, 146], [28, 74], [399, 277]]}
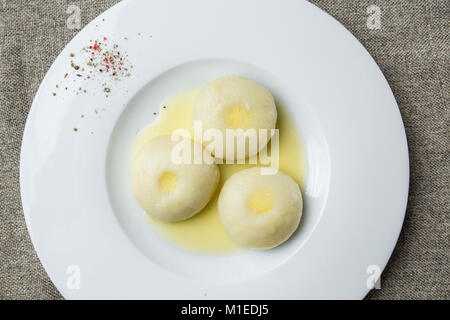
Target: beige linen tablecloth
{"points": [[410, 43]]}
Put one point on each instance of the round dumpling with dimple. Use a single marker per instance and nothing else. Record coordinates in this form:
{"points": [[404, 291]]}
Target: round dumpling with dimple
{"points": [[260, 211], [167, 189], [232, 103]]}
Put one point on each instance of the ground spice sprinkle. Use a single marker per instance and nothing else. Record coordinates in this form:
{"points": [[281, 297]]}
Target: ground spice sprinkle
{"points": [[99, 59]]}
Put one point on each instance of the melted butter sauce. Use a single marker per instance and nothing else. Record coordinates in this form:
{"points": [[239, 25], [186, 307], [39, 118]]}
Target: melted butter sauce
{"points": [[204, 233]]}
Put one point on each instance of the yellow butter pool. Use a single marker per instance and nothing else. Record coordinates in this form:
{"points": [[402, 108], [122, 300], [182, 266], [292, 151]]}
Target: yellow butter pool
{"points": [[204, 233]]}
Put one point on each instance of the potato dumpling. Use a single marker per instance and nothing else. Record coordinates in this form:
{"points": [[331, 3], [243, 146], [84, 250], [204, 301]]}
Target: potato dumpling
{"points": [[233, 103], [260, 211], [168, 191]]}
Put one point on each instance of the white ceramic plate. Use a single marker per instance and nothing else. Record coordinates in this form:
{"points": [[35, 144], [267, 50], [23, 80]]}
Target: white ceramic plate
{"points": [[77, 203]]}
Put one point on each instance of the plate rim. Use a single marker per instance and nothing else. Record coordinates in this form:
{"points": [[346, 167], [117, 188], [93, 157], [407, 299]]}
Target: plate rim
{"points": [[39, 92]]}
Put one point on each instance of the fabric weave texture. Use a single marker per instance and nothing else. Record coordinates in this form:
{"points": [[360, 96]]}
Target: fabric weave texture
{"points": [[412, 50]]}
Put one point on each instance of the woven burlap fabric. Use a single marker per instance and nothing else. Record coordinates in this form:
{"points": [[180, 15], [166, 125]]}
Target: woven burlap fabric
{"points": [[411, 48]]}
